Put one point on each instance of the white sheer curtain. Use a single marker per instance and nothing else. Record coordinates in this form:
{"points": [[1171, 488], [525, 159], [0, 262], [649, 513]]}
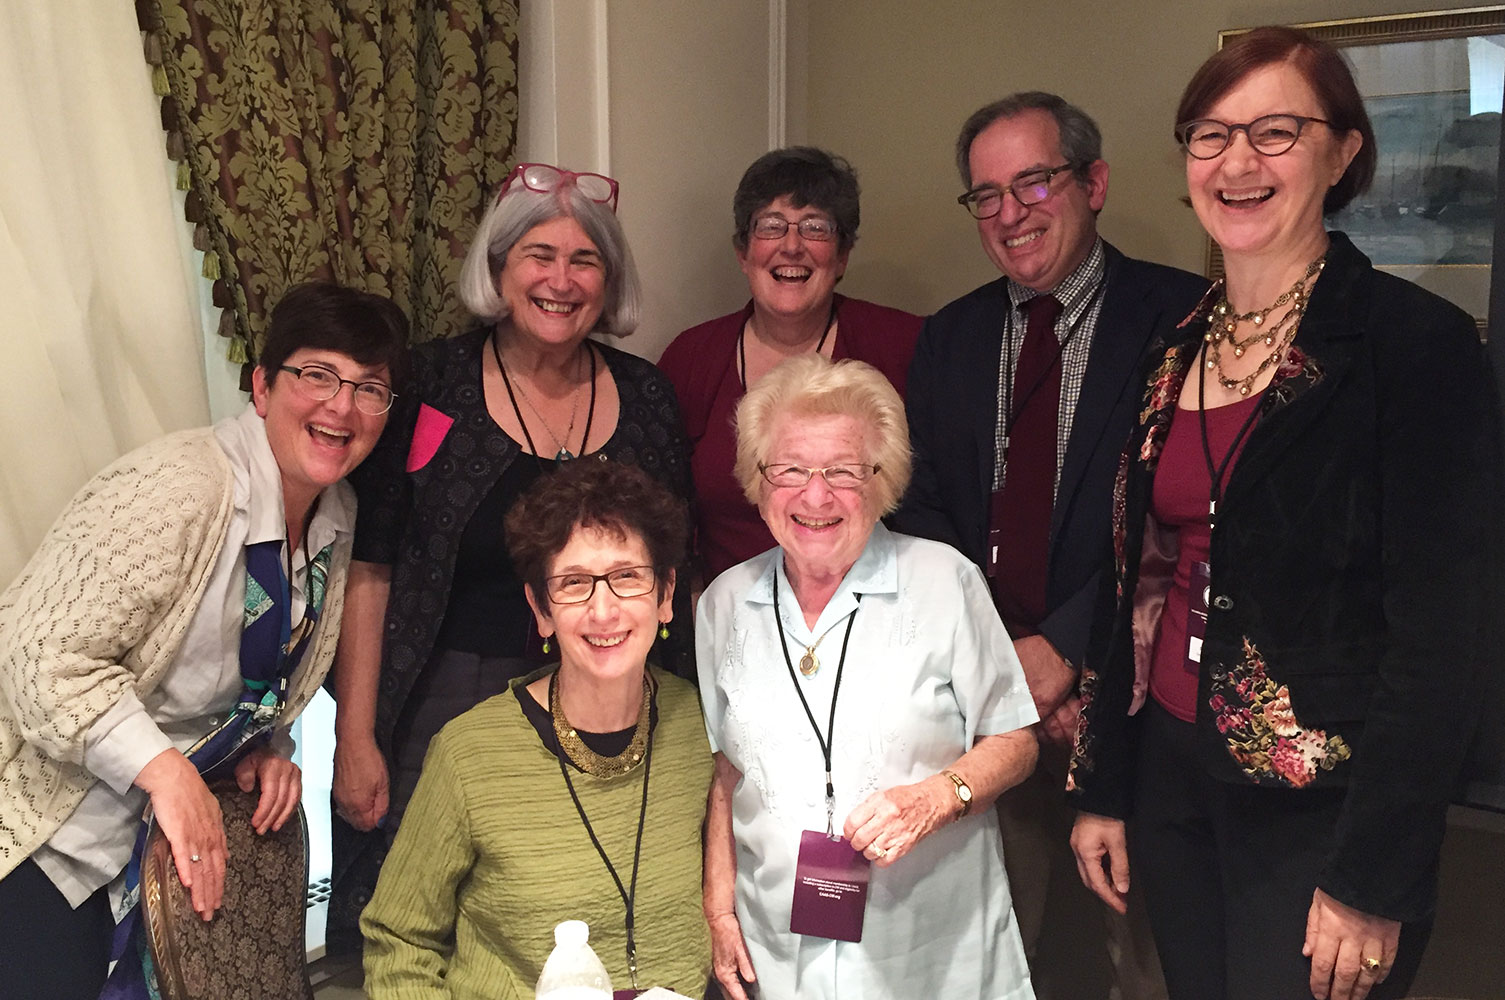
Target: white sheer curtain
{"points": [[100, 347]]}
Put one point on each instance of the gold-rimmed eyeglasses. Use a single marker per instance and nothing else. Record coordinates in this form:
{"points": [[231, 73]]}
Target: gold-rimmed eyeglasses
{"points": [[847, 476]]}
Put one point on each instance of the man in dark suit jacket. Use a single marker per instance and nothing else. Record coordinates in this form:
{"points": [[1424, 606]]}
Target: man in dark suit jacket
{"points": [[1021, 396]]}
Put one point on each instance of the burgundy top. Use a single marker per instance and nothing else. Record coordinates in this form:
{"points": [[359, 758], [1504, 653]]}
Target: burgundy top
{"points": [[1182, 488], [702, 364]]}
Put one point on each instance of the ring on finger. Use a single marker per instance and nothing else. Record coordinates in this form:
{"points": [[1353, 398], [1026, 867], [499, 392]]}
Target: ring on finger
{"points": [[1371, 964], [194, 858], [880, 852]]}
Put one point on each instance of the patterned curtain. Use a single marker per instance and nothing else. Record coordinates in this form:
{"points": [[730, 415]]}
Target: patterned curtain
{"points": [[345, 139]]}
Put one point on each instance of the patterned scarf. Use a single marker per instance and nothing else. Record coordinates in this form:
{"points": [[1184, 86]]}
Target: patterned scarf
{"points": [[270, 650]]}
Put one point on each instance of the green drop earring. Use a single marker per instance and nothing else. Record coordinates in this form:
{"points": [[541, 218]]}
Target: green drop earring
{"points": [[546, 642], [663, 630]]}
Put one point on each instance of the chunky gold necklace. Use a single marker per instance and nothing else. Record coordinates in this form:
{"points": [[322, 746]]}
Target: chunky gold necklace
{"points": [[1223, 321], [583, 756]]}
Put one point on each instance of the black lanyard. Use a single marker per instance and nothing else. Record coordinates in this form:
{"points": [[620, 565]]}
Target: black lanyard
{"points": [[629, 895], [827, 740], [742, 344], [1010, 411], [1215, 490]]}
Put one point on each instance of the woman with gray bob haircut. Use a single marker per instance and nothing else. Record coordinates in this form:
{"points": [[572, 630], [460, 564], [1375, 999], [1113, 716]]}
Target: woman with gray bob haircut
{"points": [[510, 219], [865, 708], [439, 622]]}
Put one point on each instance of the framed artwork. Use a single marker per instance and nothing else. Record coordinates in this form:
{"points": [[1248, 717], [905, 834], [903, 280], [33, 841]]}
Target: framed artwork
{"points": [[1432, 84]]}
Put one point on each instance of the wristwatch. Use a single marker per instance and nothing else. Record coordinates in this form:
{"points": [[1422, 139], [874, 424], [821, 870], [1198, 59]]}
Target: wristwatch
{"points": [[963, 790]]}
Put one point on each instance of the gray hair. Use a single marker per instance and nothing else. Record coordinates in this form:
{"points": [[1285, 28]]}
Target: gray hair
{"points": [[1081, 142], [513, 216], [812, 385]]}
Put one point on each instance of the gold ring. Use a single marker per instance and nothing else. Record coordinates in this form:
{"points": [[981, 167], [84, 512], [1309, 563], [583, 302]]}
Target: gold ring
{"points": [[194, 858], [1372, 964], [881, 852]]}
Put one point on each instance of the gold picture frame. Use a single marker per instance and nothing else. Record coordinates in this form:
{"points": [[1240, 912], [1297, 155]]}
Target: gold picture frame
{"points": [[1429, 215]]}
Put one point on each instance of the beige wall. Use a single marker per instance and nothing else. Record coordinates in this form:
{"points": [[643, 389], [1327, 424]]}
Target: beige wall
{"points": [[890, 82], [672, 98]]}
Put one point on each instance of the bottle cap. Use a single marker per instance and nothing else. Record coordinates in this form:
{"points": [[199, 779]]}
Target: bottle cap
{"points": [[571, 932]]}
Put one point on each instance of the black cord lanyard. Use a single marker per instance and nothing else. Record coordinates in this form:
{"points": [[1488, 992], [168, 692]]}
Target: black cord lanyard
{"points": [[629, 895], [742, 344], [1215, 490], [590, 410], [1010, 411], [826, 741]]}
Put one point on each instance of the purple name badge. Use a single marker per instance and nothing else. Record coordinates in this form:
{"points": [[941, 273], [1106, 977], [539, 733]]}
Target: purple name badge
{"points": [[830, 888]]}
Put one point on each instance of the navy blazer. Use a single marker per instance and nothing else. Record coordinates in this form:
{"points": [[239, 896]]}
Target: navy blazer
{"points": [[952, 402], [1355, 589]]}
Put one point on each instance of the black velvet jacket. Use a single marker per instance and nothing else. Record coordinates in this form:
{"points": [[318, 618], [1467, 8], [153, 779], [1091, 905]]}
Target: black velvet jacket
{"points": [[1355, 570]]}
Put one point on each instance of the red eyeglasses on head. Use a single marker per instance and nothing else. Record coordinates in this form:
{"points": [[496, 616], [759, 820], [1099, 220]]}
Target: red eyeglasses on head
{"points": [[543, 177]]}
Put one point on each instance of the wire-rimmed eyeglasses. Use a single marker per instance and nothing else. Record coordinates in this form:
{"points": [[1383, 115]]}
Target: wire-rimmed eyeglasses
{"points": [[545, 177], [986, 201], [625, 581], [1206, 138], [318, 383], [847, 476], [813, 228]]}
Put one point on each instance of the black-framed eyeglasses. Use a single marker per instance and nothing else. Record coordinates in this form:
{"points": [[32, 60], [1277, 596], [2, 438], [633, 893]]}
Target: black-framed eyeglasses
{"points": [[577, 588], [1206, 138], [319, 383], [847, 476], [986, 201], [813, 228]]}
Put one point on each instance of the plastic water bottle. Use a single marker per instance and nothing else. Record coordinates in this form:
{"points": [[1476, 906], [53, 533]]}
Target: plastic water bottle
{"points": [[573, 972]]}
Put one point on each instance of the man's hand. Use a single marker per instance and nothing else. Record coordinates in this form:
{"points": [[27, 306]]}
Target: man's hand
{"points": [[1051, 679]]}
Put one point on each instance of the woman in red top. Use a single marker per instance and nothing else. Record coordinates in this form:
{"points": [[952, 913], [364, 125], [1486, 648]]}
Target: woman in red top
{"points": [[796, 213]]}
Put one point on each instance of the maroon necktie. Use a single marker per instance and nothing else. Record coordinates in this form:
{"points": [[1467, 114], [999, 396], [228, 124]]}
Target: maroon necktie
{"points": [[1021, 509]]}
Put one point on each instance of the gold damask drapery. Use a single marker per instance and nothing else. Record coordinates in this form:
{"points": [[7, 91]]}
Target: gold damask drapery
{"points": [[346, 139]]}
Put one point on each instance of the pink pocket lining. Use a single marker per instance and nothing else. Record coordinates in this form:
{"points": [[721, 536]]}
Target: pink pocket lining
{"points": [[428, 434]]}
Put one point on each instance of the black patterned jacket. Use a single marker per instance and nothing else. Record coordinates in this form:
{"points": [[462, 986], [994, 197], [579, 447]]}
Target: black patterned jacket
{"points": [[1355, 573]]}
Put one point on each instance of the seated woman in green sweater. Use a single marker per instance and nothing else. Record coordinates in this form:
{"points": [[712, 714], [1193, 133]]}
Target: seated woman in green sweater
{"points": [[535, 806]]}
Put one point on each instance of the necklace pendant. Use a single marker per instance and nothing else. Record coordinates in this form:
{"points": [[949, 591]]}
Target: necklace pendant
{"points": [[808, 663], [1210, 364], [1238, 352], [1243, 390], [1259, 319], [563, 455]]}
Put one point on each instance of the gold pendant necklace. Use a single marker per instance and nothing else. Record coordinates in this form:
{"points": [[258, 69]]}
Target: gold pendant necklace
{"points": [[810, 663]]}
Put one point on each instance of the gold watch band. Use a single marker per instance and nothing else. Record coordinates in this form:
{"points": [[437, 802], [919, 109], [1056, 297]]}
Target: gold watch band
{"points": [[962, 789]]}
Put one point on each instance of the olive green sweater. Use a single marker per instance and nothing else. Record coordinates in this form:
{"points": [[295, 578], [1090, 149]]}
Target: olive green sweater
{"points": [[492, 854]]}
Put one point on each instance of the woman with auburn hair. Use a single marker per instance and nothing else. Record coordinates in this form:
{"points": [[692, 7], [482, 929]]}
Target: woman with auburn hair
{"points": [[1280, 689]]}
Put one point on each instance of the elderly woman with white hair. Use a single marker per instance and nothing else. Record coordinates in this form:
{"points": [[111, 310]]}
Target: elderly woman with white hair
{"points": [[436, 619], [866, 708]]}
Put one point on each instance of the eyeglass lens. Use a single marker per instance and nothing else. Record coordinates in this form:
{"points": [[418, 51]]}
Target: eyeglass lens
{"points": [[838, 477], [984, 203]]}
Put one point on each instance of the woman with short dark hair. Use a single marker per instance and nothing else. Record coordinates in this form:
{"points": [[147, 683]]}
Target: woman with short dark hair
{"points": [[174, 622], [795, 216], [1278, 695], [579, 793]]}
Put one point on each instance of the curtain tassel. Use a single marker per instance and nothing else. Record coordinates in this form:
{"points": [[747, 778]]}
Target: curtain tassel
{"points": [[211, 265], [237, 352]]}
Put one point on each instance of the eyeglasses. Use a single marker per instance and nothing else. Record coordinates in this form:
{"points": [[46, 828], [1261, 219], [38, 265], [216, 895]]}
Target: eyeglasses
{"points": [[814, 228], [1271, 135], [577, 588], [319, 383], [1028, 189], [838, 477], [543, 177]]}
